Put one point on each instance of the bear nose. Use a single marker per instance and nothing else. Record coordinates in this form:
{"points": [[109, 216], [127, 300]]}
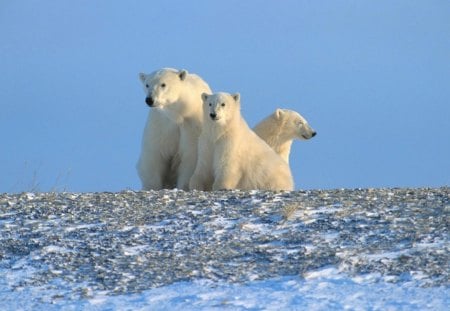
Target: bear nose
{"points": [[313, 134], [149, 101], [213, 115]]}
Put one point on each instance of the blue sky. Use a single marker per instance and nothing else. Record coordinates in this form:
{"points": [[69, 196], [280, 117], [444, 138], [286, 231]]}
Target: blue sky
{"points": [[372, 77]]}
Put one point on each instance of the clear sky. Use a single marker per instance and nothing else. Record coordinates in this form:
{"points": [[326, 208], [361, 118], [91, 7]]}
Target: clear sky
{"points": [[372, 77]]}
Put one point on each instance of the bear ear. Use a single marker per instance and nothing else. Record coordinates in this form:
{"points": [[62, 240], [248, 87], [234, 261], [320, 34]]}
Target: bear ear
{"points": [[279, 113], [182, 74], [204, 97], [236, 97], [142, 76]]}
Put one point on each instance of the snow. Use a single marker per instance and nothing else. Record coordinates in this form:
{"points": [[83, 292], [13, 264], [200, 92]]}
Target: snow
{"points": [[325, 289]]}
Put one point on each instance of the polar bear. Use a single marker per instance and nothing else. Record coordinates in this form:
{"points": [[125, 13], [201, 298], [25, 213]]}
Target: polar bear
{"points": [[231, 155], [158, 161], [280, 128], [176, 95]]}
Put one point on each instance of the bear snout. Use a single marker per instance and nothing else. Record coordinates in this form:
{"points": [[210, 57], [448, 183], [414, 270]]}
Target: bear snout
{"points": [[213, 115], [314, 133], [149, 101]]}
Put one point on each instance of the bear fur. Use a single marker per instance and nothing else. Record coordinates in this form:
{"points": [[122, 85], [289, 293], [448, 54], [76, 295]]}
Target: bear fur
{"points": [[280, 128], [231, 155], [176, 95], [158, 161]]}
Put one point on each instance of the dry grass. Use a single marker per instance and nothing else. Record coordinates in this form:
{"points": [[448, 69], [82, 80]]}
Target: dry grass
{"points": [[290, 211]]}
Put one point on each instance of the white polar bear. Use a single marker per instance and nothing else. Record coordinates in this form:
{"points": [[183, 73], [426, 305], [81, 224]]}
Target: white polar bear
{"points": [[280, 128], [231, 155], [175, 98]]}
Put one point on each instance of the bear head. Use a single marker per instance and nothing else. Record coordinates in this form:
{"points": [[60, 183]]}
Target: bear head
{"points": [[220, 107], [163, 87], [293, 125]]}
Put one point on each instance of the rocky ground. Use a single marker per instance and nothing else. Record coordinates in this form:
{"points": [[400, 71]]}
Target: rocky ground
{"points": [[128, 242]]}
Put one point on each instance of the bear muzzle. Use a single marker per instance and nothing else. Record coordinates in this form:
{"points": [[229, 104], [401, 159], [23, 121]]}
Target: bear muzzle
{"points": [[149, 101], [314, 133], [213, 116]]}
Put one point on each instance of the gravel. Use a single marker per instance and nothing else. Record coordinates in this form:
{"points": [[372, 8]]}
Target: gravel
{"points": [[128, 242]]}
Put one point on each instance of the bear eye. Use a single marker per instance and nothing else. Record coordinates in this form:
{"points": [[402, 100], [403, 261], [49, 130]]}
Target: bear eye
{"points": [[163, 85], [223, 104], [146, 85], [210, 104]]}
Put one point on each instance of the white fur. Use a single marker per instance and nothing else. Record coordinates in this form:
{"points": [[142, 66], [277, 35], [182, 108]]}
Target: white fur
{"points": [[231, 155], [176, 95], [280, 128], [158, 161]]}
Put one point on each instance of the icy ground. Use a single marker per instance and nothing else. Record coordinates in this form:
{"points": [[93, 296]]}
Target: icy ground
{"points": [[363, 249]]}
